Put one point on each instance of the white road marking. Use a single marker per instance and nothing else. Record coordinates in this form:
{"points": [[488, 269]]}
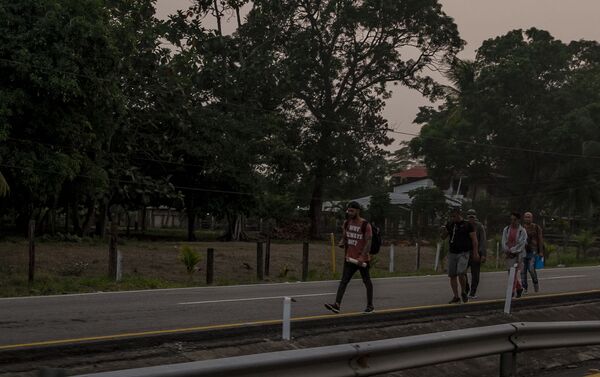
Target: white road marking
{"points": [[564, 277], [286, 284], [253, 299]]}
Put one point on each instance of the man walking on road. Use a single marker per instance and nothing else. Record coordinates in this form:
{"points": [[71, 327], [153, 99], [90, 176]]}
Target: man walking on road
{"points": [[463, 245], [476, 265], [514, 240], [535, 246], [356, 239]]}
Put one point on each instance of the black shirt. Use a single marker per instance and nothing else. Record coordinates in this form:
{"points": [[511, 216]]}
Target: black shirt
{"points": [[460, 238]]}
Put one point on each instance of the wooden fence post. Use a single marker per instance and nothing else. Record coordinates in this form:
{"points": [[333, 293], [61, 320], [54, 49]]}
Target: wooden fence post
{"points": [[268, 256], [305, 247], [112, 250], [210, 266], [259, 261], [31, 234]]}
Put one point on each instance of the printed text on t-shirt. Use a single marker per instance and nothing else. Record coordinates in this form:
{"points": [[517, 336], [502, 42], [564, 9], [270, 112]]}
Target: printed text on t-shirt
{"points": [[354, 235]]}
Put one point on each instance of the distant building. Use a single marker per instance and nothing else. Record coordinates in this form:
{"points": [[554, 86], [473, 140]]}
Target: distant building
{"points": [[408, 180]]}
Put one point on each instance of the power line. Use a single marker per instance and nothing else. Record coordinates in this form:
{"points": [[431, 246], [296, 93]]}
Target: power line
{"points": [[460, 141], [182, 164], [489, 145]]}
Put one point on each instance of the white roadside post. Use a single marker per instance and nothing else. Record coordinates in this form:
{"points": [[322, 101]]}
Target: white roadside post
{"points": [[119, 266], [392, 253], [287, 314], [509, 288], [497, 253], [437, 256]]}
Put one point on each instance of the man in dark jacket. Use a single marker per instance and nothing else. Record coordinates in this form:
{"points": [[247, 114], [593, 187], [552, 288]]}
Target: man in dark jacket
{"points": [[463, 245], [474, 264]]}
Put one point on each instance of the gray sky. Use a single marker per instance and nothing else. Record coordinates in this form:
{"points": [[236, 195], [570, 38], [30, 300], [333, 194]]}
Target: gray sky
{"points": [[477, 21]]}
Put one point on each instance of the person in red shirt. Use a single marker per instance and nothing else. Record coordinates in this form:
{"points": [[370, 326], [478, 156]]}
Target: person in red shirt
{"points": [[356, 240]]}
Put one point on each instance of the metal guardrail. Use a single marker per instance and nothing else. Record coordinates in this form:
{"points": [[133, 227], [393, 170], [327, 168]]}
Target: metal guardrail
{"points": [[384, 356]]}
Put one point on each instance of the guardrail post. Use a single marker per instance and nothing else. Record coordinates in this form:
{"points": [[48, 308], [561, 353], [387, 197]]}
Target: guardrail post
{"points": [[509, 289], [508, 364], [438, 250], [287, 314]]}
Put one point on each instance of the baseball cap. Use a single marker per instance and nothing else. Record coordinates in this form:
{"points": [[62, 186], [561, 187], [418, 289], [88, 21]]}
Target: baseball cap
{"points": [[354, 205]]}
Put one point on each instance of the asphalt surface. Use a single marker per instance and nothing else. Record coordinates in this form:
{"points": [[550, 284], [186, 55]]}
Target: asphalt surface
{"points": [[66, 319]]}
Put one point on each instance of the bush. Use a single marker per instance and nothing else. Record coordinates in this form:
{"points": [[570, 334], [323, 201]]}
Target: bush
{"points": [[549, 249]]}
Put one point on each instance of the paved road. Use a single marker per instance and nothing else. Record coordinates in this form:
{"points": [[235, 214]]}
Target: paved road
{"points": [[67, 318]]}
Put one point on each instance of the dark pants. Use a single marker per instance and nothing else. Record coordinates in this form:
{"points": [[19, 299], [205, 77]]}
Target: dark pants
{"points": [[349, 271], [475, 272], [529, 266]]}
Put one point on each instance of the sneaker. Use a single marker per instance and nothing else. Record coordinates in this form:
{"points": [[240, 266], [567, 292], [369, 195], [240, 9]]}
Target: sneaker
{"points": [[465, 298], [455, 300], [524, 291], [333, 307], [536, 287], [369, 309], [519, 293], [472, 296]]}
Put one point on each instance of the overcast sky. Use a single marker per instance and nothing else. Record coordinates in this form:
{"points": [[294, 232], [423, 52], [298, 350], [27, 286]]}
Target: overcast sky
{"points": [[477, 21]]}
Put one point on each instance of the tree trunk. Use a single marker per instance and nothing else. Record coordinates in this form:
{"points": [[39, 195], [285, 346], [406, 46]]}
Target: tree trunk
{"points": [[43, 220], [87, 224], [75, 213], [143, 220], [101, 220], [190, 210], [67, 217], [191, 224], [235, 228], [218, 17], [239, 17]]}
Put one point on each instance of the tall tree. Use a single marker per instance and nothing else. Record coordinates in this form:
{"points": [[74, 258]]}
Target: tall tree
{"points": [[336, 58], [57, 63], [523, 116]]}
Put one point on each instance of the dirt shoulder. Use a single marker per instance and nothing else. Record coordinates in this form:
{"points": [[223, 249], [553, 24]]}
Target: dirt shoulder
{"points": [[68, 267]]}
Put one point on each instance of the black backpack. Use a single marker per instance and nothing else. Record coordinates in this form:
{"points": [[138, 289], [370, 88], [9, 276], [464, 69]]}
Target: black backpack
{"points": [[376, 240]]}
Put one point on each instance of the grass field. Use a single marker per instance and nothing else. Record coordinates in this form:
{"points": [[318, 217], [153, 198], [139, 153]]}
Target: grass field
{"points": [[73, 267]]}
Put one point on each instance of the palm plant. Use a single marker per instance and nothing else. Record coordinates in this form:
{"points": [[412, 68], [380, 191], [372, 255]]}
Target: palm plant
{"points": [[189, 258]]}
